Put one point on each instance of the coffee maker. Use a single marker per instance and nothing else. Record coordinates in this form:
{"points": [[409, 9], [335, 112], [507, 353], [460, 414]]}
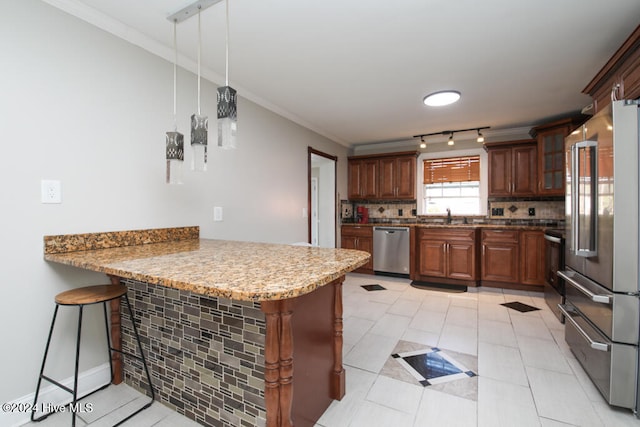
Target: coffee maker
{"points": [[362, 215]]}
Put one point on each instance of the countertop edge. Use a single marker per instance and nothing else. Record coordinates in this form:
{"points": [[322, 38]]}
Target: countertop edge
{"points": [[60, 258]]}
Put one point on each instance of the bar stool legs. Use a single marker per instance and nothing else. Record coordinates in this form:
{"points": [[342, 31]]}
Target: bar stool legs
{"points": [[79, 298]]}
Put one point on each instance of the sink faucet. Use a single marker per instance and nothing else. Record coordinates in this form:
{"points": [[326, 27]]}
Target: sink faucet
{"points": [[448, 216]]}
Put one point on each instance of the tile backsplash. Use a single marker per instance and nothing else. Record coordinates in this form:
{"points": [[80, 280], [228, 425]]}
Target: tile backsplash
{"points": [[379, 211], [553, 210], [497, 210]]}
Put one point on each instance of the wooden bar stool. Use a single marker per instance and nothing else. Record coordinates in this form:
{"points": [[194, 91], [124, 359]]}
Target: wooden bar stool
{"points": [[79, 298]]}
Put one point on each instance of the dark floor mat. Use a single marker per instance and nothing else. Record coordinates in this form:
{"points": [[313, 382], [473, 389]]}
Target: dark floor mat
{"points": [[519, 306], [374, 287], [440, 287]]}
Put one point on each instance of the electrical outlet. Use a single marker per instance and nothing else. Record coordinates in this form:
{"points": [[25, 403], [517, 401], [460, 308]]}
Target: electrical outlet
{"points": [[532, 211], [497, 211], [217, 213], [50, 191]]}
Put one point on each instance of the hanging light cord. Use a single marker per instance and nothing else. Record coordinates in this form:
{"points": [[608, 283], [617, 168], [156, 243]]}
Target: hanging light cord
{"points": [[175, 72], [227, 46], [199, 46]]}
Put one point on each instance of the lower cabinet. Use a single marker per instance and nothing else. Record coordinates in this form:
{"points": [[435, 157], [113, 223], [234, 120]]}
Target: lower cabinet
{"points": [[500, 256], [532, 259], [360, 238], [512, 258], [447, 255]]}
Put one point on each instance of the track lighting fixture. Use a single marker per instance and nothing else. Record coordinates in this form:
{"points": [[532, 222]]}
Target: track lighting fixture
{"points": [[451, 141]]}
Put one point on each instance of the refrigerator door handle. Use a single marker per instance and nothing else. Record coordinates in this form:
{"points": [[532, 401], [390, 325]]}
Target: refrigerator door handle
{"points": [[602, 299], [584, 202], [596, 345]]}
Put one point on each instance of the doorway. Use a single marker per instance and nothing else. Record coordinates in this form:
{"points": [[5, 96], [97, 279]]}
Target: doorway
{"points": [[322, 200]]}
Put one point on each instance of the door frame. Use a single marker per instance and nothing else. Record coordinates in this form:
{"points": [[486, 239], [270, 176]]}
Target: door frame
{"points": [[310, 152]]}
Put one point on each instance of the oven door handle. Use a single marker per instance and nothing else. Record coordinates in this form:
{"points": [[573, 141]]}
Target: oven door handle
{"points": [[553, 239], [602, 299], [596, 345]]}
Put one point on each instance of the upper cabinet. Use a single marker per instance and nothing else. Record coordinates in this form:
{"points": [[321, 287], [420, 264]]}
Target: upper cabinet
{"points": [[513, 168], [363, 179], [550, 139], [620, 77], [383, 177]]}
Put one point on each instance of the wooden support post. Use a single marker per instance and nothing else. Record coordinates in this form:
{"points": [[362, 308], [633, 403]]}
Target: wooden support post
{"points": [[278, 361], [286, 363], [338, 381]]}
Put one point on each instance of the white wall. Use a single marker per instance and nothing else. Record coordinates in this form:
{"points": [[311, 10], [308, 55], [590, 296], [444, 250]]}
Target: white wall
{"points": [[86, 108]]}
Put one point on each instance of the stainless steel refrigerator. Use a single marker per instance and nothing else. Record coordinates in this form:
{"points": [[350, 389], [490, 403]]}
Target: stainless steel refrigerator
{"points": [[602, 305]]}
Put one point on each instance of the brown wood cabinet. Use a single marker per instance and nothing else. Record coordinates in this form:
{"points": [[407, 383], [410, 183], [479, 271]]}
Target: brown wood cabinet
{"points": [[397, 178], [512, 169], [512, 258], [532, 259], [390, 176], [363, 179], [447, 255], [500, 256], [360, 238], [620, 76], [551, 160]]}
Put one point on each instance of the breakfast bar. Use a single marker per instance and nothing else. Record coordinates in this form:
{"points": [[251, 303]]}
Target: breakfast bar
{"points": [[237, 333]]}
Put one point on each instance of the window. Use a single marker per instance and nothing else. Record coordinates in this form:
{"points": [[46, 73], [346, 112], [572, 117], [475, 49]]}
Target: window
{"points": [[452, 183]]}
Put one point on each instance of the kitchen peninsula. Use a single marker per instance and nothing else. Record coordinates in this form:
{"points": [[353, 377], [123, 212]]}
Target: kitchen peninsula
{"points": [[236, 333]]}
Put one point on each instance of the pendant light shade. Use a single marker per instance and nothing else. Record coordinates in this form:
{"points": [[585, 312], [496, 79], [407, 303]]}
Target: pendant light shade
{"points": [[174, 140], [175, 157], [227, 117], [227, 103], [199, 125]]}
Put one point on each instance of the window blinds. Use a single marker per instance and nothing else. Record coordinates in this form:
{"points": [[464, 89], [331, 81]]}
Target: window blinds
{"points": [[453, 169]]}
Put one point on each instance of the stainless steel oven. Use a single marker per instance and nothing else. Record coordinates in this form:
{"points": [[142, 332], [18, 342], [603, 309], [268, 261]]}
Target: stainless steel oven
{"points": [[554, 262]]}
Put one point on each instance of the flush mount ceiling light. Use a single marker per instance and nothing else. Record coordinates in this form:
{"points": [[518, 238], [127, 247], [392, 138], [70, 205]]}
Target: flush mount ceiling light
{"points": [[441, 98]]}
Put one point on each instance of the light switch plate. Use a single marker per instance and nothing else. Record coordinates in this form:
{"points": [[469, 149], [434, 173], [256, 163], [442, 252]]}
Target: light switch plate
{"points": [[217, 213]]}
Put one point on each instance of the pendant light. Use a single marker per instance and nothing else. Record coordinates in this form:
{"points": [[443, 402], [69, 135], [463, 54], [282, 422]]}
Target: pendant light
{"points": [[174, 139], [450, 141], [199, 123], [227, 103], [480, 137]]}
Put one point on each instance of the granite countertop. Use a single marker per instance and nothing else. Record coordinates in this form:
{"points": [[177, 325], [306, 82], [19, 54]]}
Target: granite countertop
{"points": [[236, 270]]}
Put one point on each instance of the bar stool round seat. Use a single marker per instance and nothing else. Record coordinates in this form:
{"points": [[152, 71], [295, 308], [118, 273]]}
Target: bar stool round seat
{"points": [[79, 298], [90, 294]]}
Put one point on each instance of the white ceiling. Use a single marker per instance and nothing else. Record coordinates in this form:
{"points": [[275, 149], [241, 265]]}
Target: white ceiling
{"points": [[356, 70]]}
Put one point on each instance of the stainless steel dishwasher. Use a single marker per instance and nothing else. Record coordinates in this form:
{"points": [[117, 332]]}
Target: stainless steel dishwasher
{"points": [[391, 250]]}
